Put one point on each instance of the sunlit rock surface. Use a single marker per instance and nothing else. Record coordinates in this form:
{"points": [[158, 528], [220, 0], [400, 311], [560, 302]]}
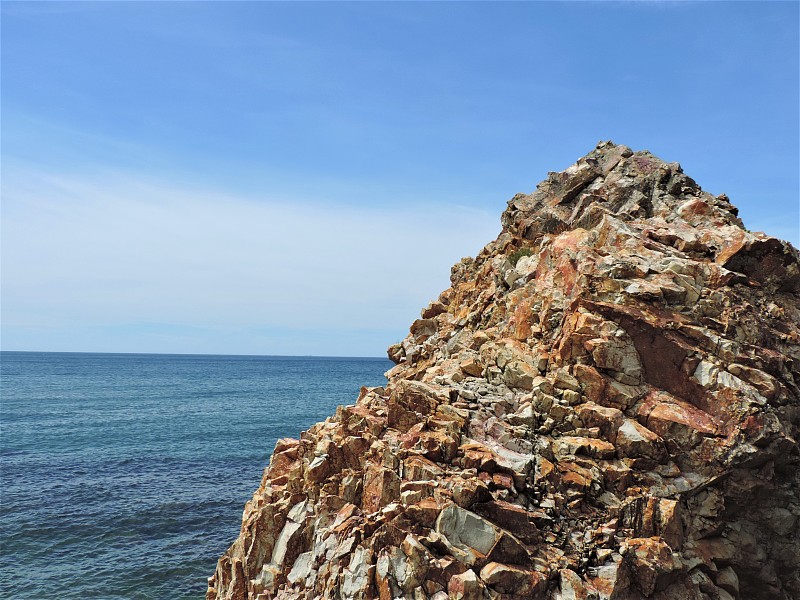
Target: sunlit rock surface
{"points": [[604, 404]]}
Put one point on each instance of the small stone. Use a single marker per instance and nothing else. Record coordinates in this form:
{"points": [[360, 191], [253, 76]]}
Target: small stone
{"points": [[608, 420], [472, 367], [635, 440], [507, 579], [650, 561], [565, 381], [727, 579], [318, 469], [465, 586], [571, 397]]}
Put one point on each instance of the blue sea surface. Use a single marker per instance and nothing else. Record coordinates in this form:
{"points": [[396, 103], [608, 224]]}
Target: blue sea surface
{"points": [[125, 475]]}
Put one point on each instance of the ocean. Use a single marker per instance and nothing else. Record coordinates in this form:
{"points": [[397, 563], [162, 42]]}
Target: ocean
{"points": [[125, 475]]}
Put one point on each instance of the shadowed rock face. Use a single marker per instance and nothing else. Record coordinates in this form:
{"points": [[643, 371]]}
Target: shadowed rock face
{"points": [[604, 404]]}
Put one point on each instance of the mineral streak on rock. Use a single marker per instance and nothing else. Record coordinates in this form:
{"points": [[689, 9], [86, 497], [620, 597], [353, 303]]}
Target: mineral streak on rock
{"points": [[604, 404]]}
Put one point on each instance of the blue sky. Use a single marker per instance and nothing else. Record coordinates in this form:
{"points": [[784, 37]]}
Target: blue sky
{"points": [[298, 178]]}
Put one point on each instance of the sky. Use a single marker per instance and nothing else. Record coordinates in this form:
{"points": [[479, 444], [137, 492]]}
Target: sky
{"points": [[298, 178]]}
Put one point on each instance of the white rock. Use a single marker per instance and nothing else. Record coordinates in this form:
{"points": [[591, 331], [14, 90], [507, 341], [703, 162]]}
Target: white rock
{"points": [[302, 567], [706, 374], [355, 577], [467, 534], [288, 533]]}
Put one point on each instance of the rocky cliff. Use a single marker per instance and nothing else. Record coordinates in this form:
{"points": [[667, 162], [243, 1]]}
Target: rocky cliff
{"points": [[604, 404]]}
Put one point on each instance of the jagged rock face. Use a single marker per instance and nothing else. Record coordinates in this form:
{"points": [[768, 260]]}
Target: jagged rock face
{"points": [[604, 404]]}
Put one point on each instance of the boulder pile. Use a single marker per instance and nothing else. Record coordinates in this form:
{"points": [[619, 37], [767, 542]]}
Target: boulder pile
{"points": [[605, 404]]}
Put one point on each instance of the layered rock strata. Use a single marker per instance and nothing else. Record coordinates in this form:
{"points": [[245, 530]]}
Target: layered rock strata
{"points": [[604, 404]]}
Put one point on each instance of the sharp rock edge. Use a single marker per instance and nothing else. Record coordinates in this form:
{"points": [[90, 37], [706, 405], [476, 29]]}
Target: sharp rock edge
{"points": [[604, 404]]}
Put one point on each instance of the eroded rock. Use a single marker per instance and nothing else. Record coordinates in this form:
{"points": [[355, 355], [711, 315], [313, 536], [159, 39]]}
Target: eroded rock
{"points": [[603, 404]]}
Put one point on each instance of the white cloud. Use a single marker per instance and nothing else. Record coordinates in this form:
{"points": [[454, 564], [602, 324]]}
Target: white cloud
{"points": [[119, 253]]}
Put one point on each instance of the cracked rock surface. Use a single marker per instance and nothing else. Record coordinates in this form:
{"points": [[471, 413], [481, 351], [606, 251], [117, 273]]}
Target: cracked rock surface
{"points": [[604, 404]]}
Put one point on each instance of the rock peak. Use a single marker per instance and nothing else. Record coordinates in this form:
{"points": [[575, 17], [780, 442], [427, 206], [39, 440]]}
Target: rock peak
{"points": [[605, 403], [615, 181]]}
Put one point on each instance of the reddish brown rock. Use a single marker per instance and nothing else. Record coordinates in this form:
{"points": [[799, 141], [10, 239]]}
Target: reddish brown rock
{"points": [[419, 468], [465, 586], [381, 486], [608, 420], [410, 403], [651, 563], [569, 445], [522, 522], [648, 517], [635, 441], [676, 421], [604, 404], [425, 512], [467, 492], [472, 366], [506, 579]]}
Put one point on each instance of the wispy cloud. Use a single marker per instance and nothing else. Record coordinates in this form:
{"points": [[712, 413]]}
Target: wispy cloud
{"points": [[82, 254]]}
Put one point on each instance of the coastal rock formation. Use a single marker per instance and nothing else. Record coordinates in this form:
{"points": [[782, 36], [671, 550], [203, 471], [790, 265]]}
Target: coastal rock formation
{"points": [[604, 404]]}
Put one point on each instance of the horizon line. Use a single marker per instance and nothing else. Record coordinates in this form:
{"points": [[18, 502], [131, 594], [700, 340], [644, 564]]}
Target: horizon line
{"points": [[188, 354]]}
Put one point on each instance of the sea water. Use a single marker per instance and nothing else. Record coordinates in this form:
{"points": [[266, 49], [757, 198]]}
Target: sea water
{"points": [[125, 475]]}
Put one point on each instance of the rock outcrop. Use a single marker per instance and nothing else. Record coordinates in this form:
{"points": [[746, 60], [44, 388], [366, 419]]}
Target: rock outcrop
{"points": [[604, 404]]}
